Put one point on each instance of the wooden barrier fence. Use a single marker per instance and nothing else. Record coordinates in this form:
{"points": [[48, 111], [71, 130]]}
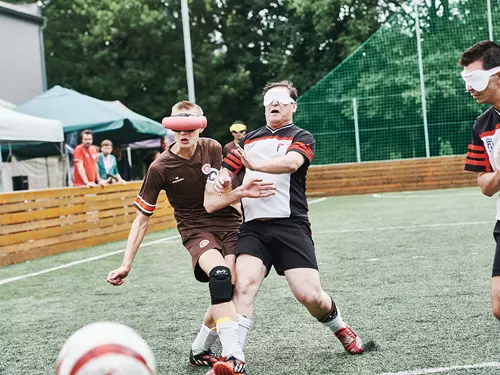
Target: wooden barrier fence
{"points": [[39, 223], [43, 222]]}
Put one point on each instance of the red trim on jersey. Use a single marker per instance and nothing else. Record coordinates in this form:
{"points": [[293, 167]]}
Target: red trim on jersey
{"points": [[481, 163], [101, 350], [234, 159], [476, 156], [268, 137], [230, 163], [476, 148], [300, 146], [144, 206], [489, 132]]}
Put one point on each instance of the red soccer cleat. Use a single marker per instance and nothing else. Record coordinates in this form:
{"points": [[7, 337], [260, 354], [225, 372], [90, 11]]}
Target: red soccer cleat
{"points": [[350, 340], [230, 367]]}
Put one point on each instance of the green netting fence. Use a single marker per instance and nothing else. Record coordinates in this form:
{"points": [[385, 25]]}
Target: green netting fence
{"points": [[370, 106]]}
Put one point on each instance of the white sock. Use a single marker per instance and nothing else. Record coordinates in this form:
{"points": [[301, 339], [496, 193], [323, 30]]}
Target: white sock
{"points": [[245, 325], [228, 332], [204, 341], [335, 324]]}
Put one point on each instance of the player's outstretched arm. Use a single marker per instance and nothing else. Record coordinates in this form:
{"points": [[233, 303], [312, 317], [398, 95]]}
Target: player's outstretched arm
{"points": [[135, 238], [489, 183], [288, 163], [255, 188]]}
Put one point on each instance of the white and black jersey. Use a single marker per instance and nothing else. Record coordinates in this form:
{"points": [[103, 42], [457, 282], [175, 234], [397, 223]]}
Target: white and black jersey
{"points": [[266, 143]]}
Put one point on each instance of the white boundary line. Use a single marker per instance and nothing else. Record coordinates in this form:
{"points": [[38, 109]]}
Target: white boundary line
{"points": [[379, 229], [75, 263], [317, 200], [445, 369], [420, 196]]}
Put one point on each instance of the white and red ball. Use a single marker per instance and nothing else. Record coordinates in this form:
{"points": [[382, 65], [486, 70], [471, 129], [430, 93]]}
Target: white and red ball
{"points": [[106, 348]]}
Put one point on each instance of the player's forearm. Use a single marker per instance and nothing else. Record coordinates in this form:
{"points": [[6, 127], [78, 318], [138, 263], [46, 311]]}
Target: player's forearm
{"points": [[81, 171], [489, 183], [214, 202], [279, 165], [135, 238]]}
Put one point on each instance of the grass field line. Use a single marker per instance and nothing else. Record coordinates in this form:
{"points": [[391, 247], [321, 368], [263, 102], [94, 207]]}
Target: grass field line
{"points": [[437, 370], [419, 196], [86, 260], [379, 229], [317, 200]]}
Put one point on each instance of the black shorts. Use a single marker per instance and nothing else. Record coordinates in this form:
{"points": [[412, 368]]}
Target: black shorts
{"points": [[282, 243], [496, 261]]}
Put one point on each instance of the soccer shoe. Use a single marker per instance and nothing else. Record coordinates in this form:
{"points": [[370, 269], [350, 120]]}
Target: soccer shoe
{"points": [[230, 367], [350, 340], [207, 358]]}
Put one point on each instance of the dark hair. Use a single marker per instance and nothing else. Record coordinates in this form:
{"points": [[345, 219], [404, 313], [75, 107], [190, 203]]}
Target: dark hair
{"points": [[486, 51], [106, 142], [86, 131], [286, 84]]}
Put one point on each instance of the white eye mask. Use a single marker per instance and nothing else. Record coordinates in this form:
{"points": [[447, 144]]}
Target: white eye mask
{"points": [[478, 79], [280, 97]]}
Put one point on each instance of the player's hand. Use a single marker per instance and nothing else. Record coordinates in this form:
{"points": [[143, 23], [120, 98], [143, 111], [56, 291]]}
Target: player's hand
{"points": [[116, 277], [222, 184], [257, 188], [246, 159]]}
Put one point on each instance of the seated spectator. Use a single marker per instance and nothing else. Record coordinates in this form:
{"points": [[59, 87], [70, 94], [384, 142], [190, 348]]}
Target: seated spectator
{"points": [[108, 166]]}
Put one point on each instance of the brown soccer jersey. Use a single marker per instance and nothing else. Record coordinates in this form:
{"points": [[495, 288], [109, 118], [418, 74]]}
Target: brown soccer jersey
{"points": [[184, 182]]}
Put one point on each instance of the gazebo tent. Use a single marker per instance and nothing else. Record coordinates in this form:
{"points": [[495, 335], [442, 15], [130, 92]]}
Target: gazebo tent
{"points": [[77, 112]]}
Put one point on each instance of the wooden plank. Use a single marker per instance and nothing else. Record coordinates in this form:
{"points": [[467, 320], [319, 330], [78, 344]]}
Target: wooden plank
{"points": [[70, 246], [58, 202], [50, 213], [21, 196], [82, 225], [164, 209]]}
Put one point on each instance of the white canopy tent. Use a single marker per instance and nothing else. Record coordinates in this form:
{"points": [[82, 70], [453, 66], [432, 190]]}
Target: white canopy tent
{"points": [[17, 127]]}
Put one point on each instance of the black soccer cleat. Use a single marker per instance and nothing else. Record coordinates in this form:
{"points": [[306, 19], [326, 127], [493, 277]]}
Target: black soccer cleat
{"points": [[207, 358]]}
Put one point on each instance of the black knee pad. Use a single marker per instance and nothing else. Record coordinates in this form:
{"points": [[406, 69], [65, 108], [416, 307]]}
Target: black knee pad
{"points": [[221, 287]]}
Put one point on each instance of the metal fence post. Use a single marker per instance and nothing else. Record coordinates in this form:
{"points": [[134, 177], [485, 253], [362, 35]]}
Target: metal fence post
{"points": [[356, 129], [422, 83]]}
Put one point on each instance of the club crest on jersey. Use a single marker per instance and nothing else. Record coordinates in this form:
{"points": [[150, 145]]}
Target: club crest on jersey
{"points": [[206, 168], [279, 145], [489, 144], [204, 243], [212, 175]]}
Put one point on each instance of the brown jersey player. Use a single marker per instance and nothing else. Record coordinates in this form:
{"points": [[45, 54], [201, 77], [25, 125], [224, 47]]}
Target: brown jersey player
{"points": [[187, 171]]}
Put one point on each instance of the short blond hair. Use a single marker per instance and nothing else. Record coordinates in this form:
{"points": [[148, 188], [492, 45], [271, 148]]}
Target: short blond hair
{"points": [[186, 106]]}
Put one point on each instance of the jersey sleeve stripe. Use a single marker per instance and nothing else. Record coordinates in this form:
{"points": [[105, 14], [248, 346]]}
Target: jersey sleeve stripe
{"points": [[476, 148], [146, 203], [473, 156], [233, 166], [143, 207], [476, 162], [234, 159], [303, 149]]}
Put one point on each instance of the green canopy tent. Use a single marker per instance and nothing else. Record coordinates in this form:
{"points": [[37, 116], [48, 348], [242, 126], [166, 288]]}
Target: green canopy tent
{"points": [[78, 112]]}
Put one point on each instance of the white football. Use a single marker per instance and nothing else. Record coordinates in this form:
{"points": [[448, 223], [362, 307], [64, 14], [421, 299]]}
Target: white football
{"points": [[106, 348]]}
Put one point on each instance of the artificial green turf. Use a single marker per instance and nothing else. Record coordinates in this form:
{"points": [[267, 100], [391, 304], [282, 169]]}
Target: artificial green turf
{"points": [[422, 294]]}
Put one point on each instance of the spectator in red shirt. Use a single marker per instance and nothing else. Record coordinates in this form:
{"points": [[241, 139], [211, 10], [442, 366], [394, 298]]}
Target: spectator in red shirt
{"points": [[85, 162]]}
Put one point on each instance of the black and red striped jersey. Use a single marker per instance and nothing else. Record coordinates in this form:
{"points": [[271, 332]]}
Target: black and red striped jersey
{"points": [[266, 143], [483, 152]]}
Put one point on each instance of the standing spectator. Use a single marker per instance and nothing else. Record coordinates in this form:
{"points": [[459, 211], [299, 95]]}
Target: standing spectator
{"points": [[85, 162], [107, 164], [238, 130], [123, 165]]}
